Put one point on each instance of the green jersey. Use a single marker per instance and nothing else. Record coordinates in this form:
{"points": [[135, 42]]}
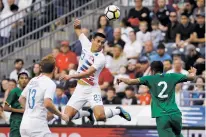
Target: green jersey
{"points": [[12, 100], [162, 89]]}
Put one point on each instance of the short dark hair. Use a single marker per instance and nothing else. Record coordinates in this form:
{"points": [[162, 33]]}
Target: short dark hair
{"points": [[161, 46], [19, 60], [98, 34], [47, 64], [13, 80], [22, 73], [111, 88], [130, 88], [14, 7], [157, 67], [126, 22], [168, 61]]}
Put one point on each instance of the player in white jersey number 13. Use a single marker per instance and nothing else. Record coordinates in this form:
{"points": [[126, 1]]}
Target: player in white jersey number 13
{"points": [[91, 63], [36, 99]]}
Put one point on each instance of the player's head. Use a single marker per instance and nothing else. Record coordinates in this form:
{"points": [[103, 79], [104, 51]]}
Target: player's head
{"points": [[23, 79], [47, 65], [12, 84], [98, 41], [156, 67]]}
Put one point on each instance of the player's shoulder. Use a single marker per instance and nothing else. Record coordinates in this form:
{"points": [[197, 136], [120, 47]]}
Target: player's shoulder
{"points": [[100, 56], [15, 90]]}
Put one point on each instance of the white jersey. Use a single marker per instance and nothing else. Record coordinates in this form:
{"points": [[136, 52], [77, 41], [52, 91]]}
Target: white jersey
{"points": [[38, 89], [90, 59]]}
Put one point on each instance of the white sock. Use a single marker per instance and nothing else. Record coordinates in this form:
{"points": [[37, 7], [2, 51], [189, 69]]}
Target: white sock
{"points": [[81, 113], [111, 112]]}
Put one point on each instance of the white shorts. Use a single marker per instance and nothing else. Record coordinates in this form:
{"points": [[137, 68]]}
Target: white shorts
{"points": [[84, 94], [34, 128]]}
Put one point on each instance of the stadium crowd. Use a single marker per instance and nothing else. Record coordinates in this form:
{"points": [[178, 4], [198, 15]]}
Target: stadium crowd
{"points": [[169, 33]]}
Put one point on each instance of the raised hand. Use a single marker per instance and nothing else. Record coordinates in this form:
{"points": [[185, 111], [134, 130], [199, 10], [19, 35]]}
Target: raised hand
{"points": [[77, 24]]}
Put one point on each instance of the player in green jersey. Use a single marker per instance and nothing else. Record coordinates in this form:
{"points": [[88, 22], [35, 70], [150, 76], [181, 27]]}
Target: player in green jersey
{"points": [[162, 89], [12, 105]]}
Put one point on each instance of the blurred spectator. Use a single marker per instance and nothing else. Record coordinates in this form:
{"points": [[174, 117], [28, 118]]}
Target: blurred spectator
{"points": [[178, 67], [133, 48], [131, 68], [176, 54], [8, 23], [60, 98], [55, 52], [2, 116], [156, 34], [148, 49], [199, 92], [121, 86], [191, 56], [66, 60], [11, 85], [200, 65], [1, 6], [105, 79], [189, 6], [18, 65], [139, 13], [178, 90], [103, 23], [71, 87], [144, 97], [111, 97], [4, 87], [143, 35], [163, 12], [185, 31], [143, 67], [173, 27], [117, 39], [77, 46], [161, 54], [167, 65], [130, 98], [36, 70], [204, 74], [118, 60], [125, 30], [200, 8], [199, 32]]}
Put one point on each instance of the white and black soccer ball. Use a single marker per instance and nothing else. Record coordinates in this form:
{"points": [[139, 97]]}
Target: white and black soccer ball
{"points": [[112, 12]]}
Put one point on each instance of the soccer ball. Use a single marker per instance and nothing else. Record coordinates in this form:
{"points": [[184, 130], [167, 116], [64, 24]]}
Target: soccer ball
{"points": [[112, 12]]}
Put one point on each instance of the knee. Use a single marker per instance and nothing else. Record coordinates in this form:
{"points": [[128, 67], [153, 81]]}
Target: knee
{"points": [[100, 116]]}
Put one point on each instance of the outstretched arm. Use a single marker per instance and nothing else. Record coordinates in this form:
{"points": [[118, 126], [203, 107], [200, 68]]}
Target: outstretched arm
{"points": [[77, 27], [128, 81], [192, 74], [84, 74]]}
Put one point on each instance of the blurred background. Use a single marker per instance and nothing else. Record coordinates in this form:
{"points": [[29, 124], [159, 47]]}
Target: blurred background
{"points": [[171, 31]]}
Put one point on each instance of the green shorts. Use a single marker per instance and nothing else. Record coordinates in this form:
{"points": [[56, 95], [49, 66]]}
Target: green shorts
{"points": [[169, 125], [14, 128]]}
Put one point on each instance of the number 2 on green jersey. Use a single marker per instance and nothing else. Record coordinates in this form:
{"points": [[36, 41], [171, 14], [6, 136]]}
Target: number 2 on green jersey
{"points": [[163, 90]]}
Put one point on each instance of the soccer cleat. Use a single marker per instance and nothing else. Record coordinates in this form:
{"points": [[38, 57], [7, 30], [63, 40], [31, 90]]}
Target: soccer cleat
{"points": [[124, 114], [91, 117]]}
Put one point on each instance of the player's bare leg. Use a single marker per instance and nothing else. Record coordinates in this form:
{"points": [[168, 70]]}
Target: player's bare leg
{"points": [[101, 113], [72, 113]]}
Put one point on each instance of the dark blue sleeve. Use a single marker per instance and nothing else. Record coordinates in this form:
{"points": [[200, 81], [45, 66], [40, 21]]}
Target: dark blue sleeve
{"points": [[109, 34]]}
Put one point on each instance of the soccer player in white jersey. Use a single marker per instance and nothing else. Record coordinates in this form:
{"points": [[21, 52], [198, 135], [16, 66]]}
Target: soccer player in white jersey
{"points": [[91, 63], [37, 98]]}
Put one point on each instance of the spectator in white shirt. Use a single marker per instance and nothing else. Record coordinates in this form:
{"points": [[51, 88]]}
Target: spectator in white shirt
{"points": [[125, 30], [143, 35], [178, 67], [133, 48], [18, 64], [118, 60], [7, 23]]}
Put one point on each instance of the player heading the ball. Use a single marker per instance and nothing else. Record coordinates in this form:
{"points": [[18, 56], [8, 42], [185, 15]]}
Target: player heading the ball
{"points": [[91, 63]]}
